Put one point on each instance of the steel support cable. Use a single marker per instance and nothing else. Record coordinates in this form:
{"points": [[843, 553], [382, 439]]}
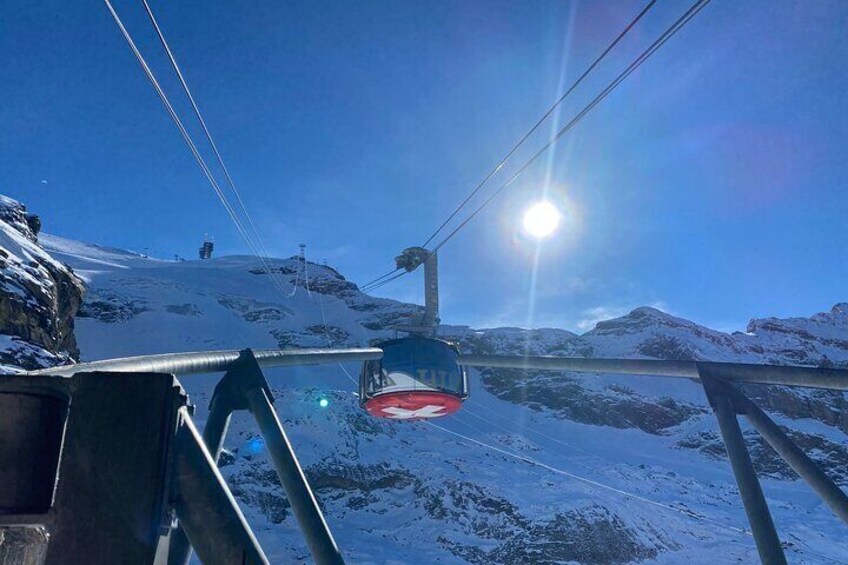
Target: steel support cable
{"points": [[685, 512], [530, 132], [203, 125], [491, 424], [324, 323], [294, 284], [375, 287], [384, 283], [544, 435], [541, 120], [682, 511], [465, 409], [330, 341], [187, 138], [368, 288], [380, 278], [654, 47]]}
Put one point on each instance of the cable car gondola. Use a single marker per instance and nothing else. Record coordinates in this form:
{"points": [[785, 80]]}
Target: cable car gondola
{"points": [[418, 377]]}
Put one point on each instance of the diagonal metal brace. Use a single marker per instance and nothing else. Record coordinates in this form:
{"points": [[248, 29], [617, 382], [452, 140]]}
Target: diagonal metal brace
{"points": [[207, 511], [228, 397], [305, 507], [756, 507], [805, 467], [244, 387]]}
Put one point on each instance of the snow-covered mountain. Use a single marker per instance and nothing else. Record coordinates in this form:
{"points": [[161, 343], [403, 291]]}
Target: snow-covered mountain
{"points": [[540, 467]]}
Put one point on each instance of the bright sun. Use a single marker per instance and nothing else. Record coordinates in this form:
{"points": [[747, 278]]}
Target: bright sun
{"points": [[541, 219]]}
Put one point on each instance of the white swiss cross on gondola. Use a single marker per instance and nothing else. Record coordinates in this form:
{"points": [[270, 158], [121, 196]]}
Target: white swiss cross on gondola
{"points": [[428, 411]]}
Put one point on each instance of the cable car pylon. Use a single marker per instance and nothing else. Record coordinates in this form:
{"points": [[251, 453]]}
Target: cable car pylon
{"points": [[409, 260]]}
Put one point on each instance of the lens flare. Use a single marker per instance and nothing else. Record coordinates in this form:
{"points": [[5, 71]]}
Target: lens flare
{"points": [[541, 219], [323, 403]]}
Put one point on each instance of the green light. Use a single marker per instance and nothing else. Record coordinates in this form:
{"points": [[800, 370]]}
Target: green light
{"points": [[323, 403]]}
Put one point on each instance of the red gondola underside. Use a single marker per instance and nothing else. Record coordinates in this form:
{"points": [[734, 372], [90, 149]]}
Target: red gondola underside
{"points": [[412, 405]]}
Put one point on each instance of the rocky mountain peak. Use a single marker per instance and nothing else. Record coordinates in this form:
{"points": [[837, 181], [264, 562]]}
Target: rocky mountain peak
{"points": [[638, 320], [14, 214], [840, 309]]}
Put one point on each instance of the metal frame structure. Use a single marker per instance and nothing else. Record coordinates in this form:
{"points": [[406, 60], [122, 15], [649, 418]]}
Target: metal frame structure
{"points": [[211, 522], [727, 401], [182, 481], [244, 387]]}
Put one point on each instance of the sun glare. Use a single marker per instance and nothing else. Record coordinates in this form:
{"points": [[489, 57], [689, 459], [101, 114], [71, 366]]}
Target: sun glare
{"points": [[541, 219]]}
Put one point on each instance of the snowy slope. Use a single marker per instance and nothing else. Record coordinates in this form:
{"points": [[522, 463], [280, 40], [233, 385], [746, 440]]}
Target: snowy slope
{"points": [[535, 468]]}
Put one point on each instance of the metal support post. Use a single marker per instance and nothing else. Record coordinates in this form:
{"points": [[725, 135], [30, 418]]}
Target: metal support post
{"points": [[305, 507], [217, 422], [410, 259], [216, 426], [806, 468], [206, 509], [431, 291], [756, 507], [244, 388]]}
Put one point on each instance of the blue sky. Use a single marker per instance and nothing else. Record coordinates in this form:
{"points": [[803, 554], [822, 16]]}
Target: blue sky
{"points": [[710, 184]]}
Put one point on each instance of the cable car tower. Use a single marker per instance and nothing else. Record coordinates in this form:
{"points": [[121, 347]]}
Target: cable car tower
{"points": [[205, 251], [410, 259], [418, 376]]}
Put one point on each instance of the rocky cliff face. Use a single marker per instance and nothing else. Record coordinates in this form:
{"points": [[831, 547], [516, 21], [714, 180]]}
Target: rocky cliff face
{"points": [[39, 296]]}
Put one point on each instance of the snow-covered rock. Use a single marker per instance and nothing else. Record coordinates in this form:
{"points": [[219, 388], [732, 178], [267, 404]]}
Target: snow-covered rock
{"points": [[39, 296]]}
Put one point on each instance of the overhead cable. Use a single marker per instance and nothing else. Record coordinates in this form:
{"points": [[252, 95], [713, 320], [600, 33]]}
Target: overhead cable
{"points": [[191, 145], [527, 135], [544, 117], [380, 278], [655, 46], [203, 125], [594, 483]]}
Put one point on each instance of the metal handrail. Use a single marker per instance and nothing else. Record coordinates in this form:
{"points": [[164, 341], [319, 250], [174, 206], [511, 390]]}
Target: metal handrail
{"points": [[814, 377], [201, 362]]}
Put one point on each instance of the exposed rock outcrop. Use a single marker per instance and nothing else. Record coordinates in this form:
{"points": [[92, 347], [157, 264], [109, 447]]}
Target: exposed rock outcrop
{"points": [[39, 296]]}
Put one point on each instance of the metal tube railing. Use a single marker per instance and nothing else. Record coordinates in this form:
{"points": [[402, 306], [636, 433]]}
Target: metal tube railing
{"points": [[201, 362], [814, 377]]}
